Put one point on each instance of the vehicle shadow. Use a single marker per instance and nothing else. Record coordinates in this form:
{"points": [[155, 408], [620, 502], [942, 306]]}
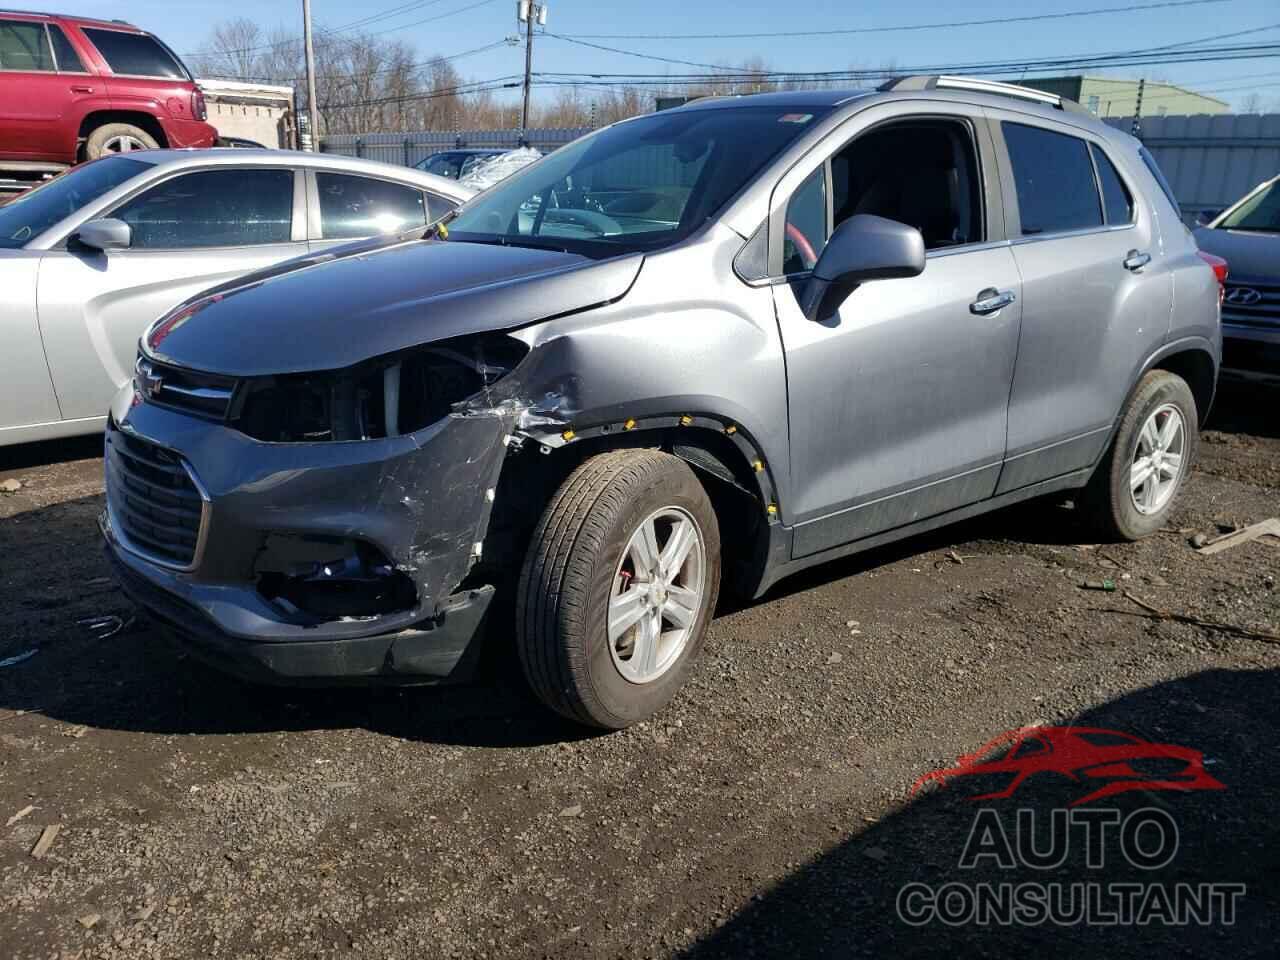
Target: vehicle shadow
{"points": [[54, 576], [847, 902], [1248, 408], [22, 456]]}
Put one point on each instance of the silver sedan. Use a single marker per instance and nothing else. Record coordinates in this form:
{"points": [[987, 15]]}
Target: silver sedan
{"points": [[90, 258]]}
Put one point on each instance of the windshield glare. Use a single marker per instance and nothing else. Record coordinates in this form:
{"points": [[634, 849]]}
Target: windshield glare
{"points": [[1260, 212], [35, 211], [636, 185]]}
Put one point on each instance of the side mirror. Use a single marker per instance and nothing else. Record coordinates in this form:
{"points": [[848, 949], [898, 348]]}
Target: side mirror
{"points": [[106, 234], [862, 248], [1206, 217]]}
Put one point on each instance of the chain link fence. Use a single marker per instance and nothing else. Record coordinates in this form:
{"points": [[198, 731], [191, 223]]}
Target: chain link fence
{"points": [[408, 149]]}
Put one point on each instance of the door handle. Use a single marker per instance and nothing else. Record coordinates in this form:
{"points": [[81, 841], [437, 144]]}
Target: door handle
{"points": [[80, 88], [1135, 261], [990, 300]]}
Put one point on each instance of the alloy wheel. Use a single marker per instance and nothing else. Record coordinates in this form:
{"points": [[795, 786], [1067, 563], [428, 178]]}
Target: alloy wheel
{"points": [[657, 592], [1158, 460]]}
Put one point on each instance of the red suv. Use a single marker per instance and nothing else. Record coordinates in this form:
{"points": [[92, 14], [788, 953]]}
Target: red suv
{"points": [[75, 89]]}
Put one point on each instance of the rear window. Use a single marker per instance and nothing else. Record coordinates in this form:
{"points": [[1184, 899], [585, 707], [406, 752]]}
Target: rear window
{"points": [[68, 59], [23, 46], [1156, 172], [1054, 178], [1115, 195], [136, 54]]}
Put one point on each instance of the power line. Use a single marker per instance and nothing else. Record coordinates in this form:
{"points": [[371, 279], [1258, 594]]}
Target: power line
{"points": [[377, 33], [417, 67], [901, 28], [633, 53], [1120, 58]]}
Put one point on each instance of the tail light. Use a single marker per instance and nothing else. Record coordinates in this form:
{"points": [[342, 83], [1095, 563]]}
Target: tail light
{"points": [[198, 109], [1219, 270]]}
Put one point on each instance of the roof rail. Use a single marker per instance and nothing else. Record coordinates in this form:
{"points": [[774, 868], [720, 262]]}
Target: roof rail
{"points": [[978, 85]]}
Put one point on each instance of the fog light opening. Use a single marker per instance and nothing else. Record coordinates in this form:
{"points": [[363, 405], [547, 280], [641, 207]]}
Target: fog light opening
{"points": [[325, 579]]}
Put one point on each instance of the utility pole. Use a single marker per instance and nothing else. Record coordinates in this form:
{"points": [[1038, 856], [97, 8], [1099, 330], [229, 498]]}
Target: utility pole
{"points": [[529, 12], [1136, 129], [313, 110]]}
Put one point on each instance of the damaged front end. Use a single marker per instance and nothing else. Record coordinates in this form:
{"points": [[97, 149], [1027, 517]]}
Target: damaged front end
{"points": [[316, 526]]}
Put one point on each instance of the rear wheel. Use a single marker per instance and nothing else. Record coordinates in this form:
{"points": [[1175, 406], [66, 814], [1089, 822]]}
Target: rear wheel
{"points": [[1132, 492], [618, 588], [117, 138]]}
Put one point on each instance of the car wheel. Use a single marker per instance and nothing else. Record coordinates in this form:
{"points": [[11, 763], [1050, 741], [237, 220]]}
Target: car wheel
{"points": [[618, 588], [1133, 489], [117, 138]]}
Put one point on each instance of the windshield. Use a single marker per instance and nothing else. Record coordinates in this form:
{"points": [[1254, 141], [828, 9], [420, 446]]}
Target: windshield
{"points": [[1260, 212], [637, 185], [35, 211]]}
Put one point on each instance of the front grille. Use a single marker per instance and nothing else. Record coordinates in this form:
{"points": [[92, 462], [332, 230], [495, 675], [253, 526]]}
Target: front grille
{"points": [[1251, 304], [191, 391], [154, 503]]}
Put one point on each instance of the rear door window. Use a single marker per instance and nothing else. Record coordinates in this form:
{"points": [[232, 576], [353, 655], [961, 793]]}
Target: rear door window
{"points": [[213, 208], [135, 54], [24, 47], [352, 207], [68, 57], [1116, 199], [1054, 178]]}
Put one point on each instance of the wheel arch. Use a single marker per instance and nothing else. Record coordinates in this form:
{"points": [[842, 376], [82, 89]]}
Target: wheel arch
{"points": [[142, 120], [724, 456], [1194, 362]]}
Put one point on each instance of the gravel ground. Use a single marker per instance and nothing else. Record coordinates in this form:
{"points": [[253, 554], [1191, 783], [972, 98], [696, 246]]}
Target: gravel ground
{"points": [[767, 811]]}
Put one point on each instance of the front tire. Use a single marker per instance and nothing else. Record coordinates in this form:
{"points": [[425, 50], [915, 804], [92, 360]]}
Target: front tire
{"points": [[618, 588], [1132, 492]]}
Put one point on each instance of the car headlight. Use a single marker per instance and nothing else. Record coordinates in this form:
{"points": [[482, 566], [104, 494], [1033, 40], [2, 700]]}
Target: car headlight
{"points": [[385, 397]]}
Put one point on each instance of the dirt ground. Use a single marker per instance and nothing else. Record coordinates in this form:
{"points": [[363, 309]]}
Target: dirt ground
{"points": [[767, 812]]}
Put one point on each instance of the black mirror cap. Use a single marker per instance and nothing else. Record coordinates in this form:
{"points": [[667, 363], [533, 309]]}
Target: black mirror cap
{"points": [[861, 249]]}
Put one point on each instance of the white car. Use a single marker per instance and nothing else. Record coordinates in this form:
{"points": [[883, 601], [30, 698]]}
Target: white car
{"points": [[90, 258]]}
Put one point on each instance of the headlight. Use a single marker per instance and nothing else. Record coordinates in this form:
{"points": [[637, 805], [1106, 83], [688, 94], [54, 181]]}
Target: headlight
{"points": [[385, 397]]}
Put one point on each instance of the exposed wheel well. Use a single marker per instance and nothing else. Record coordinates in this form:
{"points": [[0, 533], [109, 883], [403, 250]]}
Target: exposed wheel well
{"points": [[1196, 368], [530, 478], [143, 121]]}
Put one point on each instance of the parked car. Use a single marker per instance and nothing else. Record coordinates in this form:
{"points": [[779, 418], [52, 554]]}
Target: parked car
{"points": [[454, 164], [73, 89], [744, 336], [240, 143], [93, 256], [1247, 236]]}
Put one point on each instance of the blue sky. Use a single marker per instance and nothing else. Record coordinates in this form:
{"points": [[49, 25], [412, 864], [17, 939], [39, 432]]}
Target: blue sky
{"points": [[186, 23]]}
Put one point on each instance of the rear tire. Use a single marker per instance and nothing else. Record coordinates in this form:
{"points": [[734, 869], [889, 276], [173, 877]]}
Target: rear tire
{"points": [[585, 577], [1134, 487], [113, 138]]}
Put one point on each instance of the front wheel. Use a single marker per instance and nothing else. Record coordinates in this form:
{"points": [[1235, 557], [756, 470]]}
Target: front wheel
{"points": [[1133, 489], [618, 588]]}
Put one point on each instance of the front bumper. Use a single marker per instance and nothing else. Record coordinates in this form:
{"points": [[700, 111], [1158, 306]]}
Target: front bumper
{"points": [[445, 649], [421, 500]]}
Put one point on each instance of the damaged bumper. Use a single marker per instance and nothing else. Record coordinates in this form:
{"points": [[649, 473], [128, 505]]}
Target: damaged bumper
{"points": [[297, 562]]}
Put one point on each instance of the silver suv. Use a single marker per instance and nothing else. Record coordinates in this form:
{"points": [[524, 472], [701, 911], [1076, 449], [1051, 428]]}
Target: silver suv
{"points": [[727, 341]]}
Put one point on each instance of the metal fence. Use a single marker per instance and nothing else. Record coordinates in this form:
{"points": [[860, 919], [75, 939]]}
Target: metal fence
{"points": [[410, 148], [1212, 161]]}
